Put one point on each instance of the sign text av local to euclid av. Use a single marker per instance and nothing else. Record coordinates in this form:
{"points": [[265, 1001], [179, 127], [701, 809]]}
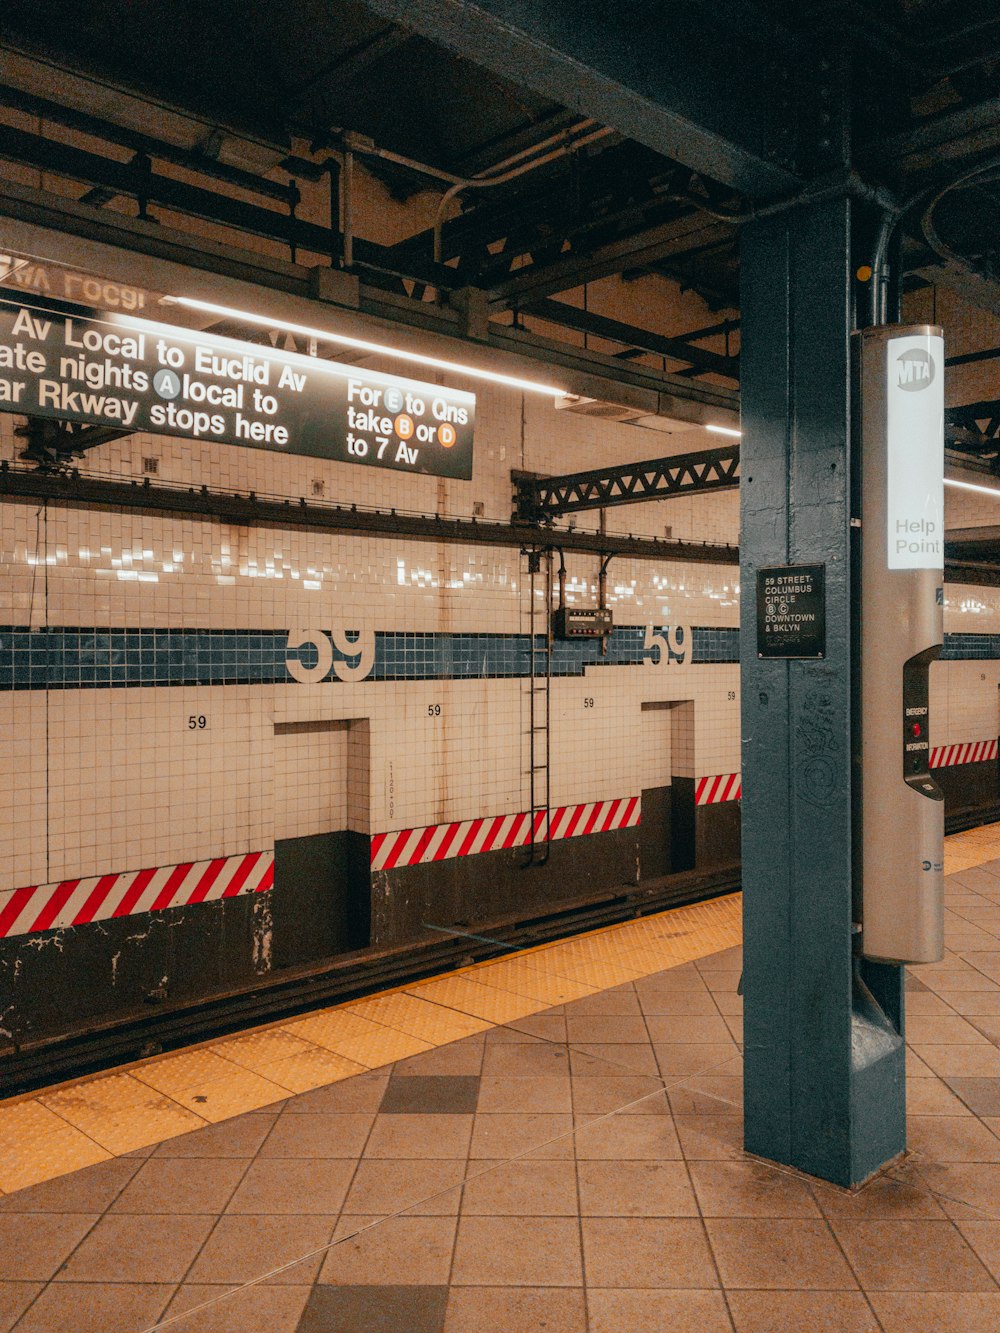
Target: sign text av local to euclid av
{"points": [[132, 375]]}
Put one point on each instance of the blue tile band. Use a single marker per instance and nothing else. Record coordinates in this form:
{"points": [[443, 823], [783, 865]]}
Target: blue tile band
{"points": [[76, 658]]}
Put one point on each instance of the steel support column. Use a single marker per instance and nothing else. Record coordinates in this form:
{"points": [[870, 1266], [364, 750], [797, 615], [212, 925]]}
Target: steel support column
{"points": [[815, 1099]]}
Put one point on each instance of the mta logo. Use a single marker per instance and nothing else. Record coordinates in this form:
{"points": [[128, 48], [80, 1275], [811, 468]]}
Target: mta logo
{"points": [[914, 369]]}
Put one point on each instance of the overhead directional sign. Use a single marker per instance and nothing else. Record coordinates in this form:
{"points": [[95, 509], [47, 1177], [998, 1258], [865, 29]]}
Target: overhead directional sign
{"points": [[136, 375]]}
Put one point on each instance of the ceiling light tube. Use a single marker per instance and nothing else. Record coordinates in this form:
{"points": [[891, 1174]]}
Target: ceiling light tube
{"points": [[970, 486], [725, 430], [362, 344]]}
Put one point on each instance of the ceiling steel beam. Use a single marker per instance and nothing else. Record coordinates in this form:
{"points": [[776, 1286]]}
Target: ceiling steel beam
{"points": [[678, 349], [538, 499], [627, 73], [525, 286]]}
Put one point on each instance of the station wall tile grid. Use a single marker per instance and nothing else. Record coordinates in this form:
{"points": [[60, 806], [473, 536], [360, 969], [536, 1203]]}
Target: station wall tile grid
{"points": [[552, 1140]]}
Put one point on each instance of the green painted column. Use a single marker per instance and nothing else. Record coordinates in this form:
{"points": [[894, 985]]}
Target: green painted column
{"points": [[824, 1053]]}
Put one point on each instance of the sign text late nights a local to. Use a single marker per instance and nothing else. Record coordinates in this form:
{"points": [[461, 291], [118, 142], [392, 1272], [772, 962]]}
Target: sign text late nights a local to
{"points": [[134, 375]]}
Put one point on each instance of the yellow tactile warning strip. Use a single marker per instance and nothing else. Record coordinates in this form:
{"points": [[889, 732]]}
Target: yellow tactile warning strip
{"points": [[61, 1129], [963, 851]]}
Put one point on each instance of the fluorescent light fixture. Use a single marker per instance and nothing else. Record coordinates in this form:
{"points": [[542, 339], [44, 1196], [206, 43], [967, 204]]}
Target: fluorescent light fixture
{"points": [[380, 349], [725, 430], [969, 486]]}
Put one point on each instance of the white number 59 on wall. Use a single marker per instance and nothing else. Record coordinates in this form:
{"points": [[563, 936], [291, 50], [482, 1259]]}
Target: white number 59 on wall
{"points": [[674, 646], [356, 649]]}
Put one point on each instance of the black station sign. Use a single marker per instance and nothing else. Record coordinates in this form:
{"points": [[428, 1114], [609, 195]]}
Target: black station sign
{"points": [[791, 611], [134, 375]]}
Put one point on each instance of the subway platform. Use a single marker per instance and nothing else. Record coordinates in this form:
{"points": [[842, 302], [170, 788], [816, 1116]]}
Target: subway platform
{"points": [[549, 1142]]}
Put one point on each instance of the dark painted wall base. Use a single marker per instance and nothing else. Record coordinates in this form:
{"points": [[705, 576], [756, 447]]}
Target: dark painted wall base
{"points": [[717, 834], [323, 904], [458, 893], [968, 790]]}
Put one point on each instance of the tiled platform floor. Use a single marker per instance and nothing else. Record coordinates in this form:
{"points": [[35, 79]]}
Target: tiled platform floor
{"points": [[577, 1168]]}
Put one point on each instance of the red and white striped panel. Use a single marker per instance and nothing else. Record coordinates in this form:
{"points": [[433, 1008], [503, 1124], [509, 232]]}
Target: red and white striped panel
{"points": [[718, 787], [442, 842], [971, 752], [75, 902]]}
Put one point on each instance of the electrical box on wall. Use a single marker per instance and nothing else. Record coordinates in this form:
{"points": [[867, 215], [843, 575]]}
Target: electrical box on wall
{"points": [[571, 622]]}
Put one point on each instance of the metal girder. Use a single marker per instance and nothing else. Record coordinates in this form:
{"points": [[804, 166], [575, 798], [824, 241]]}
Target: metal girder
{"points": [[627, 72], [541, 498], [976, 545], [248, 511], [52, 444], [975, 428], [670, 240], [585, 321]]}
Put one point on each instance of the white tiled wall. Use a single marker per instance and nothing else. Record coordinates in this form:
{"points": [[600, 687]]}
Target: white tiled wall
{"points": [[115, 779]]}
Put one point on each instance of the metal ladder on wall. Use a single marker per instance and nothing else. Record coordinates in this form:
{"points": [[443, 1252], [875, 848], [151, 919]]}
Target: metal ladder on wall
{"points": [[539, 710]]}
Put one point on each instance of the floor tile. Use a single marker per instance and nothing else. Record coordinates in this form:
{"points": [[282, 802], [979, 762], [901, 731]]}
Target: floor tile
{"points": [[776, 1254], [458, 1057], [686, 1058], [176, 1185], [669, 1029], [523, 1060], [548, 1026], [707, 1094], [964, 1190], [949, 1138], [617, 1311], [228, 1309], [92, 1189], [375, 1309], [361, 1092], [405, 1135], [628, 1094], [431, 1094], [502, 1251], [961, 1061], [902, 1193], [319, 1134], [677, 1002], [635, 1189], [504, 1135], [128, 1248], [750, 1189], [514, 1310], [620, 1000], [980, 1095], [628, 1137], [951, 1312], [905, 1255], [421, 1187], [710, 1137], [414, 1251], [276, 1186], [244, 1247], [950, 1031], [613, 1057], [15, 1297], [647, 1252], [240, 1137], [32, 1247], [596, 1029], [932, 1096], [799, 1311], [521, 1189], [90, 1307], [525, 1094], [984, 1237]]}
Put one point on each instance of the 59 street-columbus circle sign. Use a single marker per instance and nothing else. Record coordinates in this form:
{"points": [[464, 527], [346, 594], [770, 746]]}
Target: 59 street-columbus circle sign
{"points": [[135, 375]]}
